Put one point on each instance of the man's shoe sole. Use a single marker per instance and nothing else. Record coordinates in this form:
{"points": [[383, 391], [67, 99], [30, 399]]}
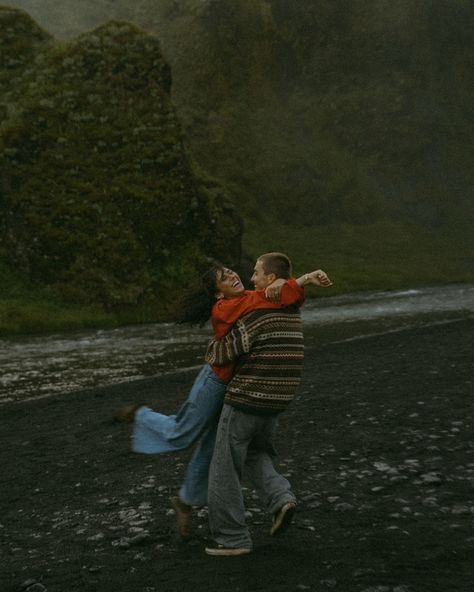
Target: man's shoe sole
{"points": [[227, 551], [283, 518]]}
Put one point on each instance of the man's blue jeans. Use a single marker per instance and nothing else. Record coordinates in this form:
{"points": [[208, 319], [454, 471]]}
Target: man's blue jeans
{"points": [[244, 442], [155, 433]]}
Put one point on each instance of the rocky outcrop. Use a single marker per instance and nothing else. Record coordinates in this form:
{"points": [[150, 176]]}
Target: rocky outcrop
{"points": [[99, 199], [358, 111]]}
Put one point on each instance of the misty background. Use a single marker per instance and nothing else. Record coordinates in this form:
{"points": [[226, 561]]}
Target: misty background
{"points": [[140, 138]]}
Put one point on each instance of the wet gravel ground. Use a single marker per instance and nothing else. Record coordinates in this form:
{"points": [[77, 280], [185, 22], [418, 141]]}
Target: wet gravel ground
{"points": [[379, 448]]}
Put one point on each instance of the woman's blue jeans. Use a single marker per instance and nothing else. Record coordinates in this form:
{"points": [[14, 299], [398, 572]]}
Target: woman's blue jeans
{"points": [[155, 433]]}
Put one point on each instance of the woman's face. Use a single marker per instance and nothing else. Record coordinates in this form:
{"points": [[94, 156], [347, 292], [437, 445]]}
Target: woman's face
{"points": [[228, 284]]}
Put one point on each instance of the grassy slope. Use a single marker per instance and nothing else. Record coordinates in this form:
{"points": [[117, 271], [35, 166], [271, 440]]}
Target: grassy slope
{"points": [[400, 256]]}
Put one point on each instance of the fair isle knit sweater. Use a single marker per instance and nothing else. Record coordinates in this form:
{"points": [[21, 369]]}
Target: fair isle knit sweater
{"points": [[268, 347]]}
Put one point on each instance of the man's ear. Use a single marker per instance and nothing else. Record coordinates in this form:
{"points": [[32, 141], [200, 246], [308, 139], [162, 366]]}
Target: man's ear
{"points": [[271, 278]]}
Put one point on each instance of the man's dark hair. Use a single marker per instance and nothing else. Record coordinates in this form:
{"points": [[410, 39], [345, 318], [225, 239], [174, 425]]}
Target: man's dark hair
{"points": [[277, 263]]}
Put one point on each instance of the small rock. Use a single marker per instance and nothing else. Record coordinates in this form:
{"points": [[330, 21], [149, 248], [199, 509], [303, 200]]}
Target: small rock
{"points": [[309, 497], [123, 543], [37, 587], [430, 502], [139, 523], [139, 539], [381, 466], [127, 515], [343, 507], [362, 571], [27, 583], [459, 509], [431, 478]]}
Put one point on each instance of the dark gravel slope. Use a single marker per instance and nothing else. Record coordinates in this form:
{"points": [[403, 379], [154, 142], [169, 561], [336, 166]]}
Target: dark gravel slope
{"points": [[378, 446]]}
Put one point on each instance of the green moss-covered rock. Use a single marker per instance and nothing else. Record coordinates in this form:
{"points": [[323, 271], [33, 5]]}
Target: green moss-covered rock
{"points": [[99, 199], [20, 38]]}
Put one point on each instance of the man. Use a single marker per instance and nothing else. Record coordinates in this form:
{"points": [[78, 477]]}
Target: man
{"points": [[268, 345], [197, 418]]}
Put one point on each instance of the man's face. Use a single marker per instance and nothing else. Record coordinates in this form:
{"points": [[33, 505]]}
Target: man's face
{"points": [[228, 284], [260, 279]]}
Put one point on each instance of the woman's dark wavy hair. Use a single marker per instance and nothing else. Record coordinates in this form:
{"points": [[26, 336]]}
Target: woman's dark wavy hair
{"points": [[197, 305]]}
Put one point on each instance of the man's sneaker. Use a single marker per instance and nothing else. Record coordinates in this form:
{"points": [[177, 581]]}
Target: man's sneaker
{"points": [[221, 551], [282, 519], [127, 414], [183, 517]]}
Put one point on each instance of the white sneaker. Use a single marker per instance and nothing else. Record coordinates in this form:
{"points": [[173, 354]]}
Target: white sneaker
{"points": [[221, 551], [282, 519]]}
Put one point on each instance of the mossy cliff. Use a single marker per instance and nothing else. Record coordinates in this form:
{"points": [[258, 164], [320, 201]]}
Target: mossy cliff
{"points": [[99, 200], [342, 129]]}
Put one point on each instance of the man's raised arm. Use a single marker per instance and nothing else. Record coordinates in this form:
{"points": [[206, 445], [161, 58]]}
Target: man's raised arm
{"points": [[275, 292]]}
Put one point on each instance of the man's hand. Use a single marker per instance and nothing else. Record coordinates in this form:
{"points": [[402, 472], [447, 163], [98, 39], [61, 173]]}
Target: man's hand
{"points": [[318, 278], [273, 291]]}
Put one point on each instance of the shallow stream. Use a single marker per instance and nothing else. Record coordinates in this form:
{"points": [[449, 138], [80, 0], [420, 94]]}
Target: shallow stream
{"points": [[44, 365]]}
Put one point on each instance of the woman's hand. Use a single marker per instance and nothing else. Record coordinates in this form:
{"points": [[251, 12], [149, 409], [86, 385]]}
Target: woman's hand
{"points": [[317, 278], [273, 291]]}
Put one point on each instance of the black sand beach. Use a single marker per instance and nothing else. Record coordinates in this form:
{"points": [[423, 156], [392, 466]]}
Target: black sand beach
{"points": [[378, 446]]}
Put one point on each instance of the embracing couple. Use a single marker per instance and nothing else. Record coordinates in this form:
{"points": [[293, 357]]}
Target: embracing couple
{"points": [[253, 370]]}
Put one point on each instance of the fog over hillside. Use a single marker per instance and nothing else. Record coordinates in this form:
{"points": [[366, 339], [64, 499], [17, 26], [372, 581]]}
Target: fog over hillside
{"points": [[353, 116]]}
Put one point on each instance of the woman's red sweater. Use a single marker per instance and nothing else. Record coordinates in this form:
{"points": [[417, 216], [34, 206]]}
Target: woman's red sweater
{"points": [[227, 311]]}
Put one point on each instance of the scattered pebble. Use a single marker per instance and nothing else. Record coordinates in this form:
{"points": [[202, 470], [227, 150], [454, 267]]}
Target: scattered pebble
{"points": [[328, 583]]}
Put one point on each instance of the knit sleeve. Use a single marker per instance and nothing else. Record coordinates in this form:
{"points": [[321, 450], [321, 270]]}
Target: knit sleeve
{"points": [[223, 351]]}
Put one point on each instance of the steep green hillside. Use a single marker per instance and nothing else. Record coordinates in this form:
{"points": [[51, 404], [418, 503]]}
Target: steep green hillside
{"points": [[342, 130], [322, 113], [99, 202]]}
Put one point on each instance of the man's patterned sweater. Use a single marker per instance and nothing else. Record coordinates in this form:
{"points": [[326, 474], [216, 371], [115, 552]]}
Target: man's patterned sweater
{"points": [[268, 347]]}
